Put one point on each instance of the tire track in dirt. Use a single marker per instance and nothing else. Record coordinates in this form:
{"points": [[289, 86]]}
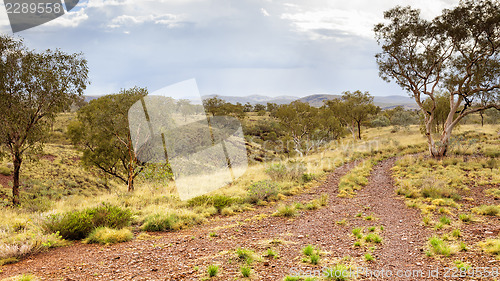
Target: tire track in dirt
{"points": [[404, 237]]}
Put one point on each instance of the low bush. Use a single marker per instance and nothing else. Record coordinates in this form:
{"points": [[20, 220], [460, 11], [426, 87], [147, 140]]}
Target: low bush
{"points": [[491, 246], [285, 211], [246, 271], [440, 247], [218, 201], [171, 221], [293, 170], [489, 210], [105, 235], [27, 243], [213, 270], [262, 190], [5, 171], [79, 224]]}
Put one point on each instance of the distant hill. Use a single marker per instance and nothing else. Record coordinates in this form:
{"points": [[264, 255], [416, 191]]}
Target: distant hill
{"points": [[314, 100], [384, 102], [89, 98], [255, 99]]}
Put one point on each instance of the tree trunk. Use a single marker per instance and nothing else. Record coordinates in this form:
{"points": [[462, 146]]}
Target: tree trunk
{"points": [[15, 187], [428, 134], [482, 118], [131, 176], [130, 184], [353, 131], [359, 130]]}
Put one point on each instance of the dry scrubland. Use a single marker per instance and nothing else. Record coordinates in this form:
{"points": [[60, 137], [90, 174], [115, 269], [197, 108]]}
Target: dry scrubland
{"points": [[64, 203]]}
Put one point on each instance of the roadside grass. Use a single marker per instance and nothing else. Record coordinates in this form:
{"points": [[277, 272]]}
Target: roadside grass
{"points": [[439, 187]]}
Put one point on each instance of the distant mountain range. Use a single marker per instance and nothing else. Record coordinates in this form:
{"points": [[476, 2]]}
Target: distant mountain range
{"points": [[314, 100], [255, 99], [317, 100]]}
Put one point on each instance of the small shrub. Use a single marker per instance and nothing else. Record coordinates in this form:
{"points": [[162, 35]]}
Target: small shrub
{"points": [[368, 257], [293, 170], [245, 271], [218, 201], [440, 247], [285, 211], [313, 205], [308, 250], [245, 255], [438, 225], [463, 247], [489, 210], [5, 171], [271, 253], [373, 237], [314, 259], [105, 235], [342, 222], [444, 220], [262, 190], [160, 222], [462, 266], [213, 270], [171, 221], [456, 233], [465, 217], [25, 277], [323, 200], [306, 177], [491, 246], [78, 225]]}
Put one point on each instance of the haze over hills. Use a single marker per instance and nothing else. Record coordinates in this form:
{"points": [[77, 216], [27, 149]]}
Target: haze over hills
{"points": [[314, 100], [382, 101], [317, 100]]}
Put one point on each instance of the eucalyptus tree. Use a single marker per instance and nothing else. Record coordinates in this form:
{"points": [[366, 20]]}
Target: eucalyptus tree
{"points": [[34, 87], [102, 133], [457, 53]]}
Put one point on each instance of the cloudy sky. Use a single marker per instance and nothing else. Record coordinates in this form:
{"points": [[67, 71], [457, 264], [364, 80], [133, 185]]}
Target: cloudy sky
{"points": [[231, 47]]}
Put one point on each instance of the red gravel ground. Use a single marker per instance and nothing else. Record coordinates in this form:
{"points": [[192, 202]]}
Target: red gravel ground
{"points": [[186, 254]]}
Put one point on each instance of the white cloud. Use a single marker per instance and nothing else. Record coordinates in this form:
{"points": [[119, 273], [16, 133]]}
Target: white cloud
{"points": [[71, 19], [333, 23], [337, 19], [264, 12], [126, 20]]}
